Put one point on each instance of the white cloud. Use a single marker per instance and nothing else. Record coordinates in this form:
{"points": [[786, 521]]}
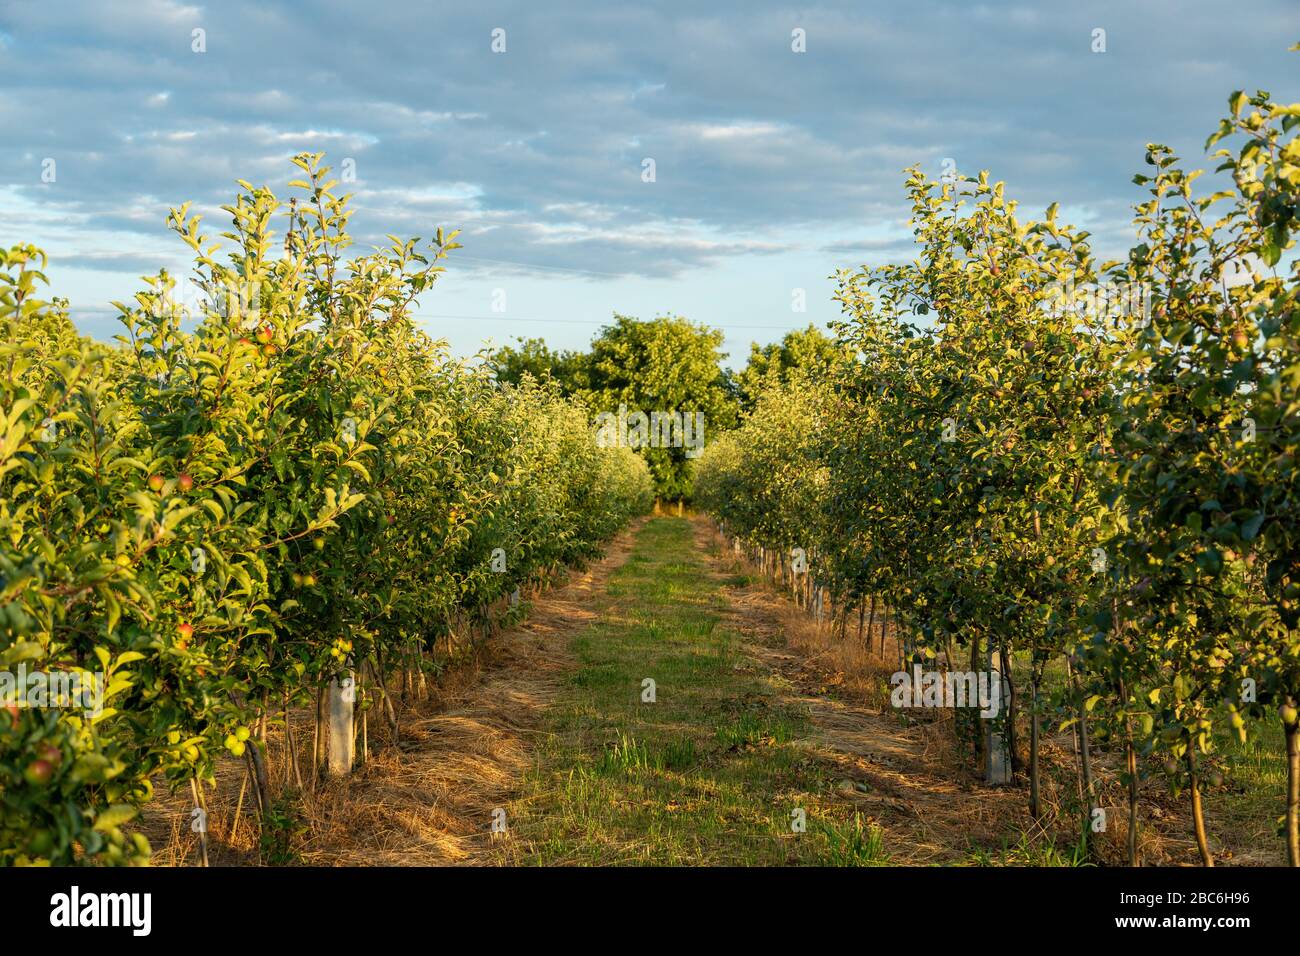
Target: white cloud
{"points": [[537, 152]]}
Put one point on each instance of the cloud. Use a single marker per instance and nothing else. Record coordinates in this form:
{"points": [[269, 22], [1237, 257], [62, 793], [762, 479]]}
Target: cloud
{"points": [[537, 152]]}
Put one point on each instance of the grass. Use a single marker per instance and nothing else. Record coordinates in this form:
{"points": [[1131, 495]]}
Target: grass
{"points": [[856, 843], [710, 772], [1248, 807], [1029, 851]]}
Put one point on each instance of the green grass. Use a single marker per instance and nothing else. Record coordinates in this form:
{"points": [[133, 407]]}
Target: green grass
{"points": [[1245, 812], [710, 773], [1029, 851], [855, 843]]}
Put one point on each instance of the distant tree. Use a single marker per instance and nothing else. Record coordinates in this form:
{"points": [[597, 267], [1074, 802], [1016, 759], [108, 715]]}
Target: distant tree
{"points": [[668, 369], [534, 357], [809, 349]]}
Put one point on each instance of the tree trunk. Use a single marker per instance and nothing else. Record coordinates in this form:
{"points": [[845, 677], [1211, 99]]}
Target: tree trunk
{"points": [[239, 808], [365, 734], [1013, 746], [389, 712], [1292, 731], [318, 736], [1131, 757], [1084, 762], [1131, 766], [1035, 789], [1198, 811], [871, 624], [974, 669], [1085, 766], [949, 663], [291, 743], [1074, 742], [258, 766]]}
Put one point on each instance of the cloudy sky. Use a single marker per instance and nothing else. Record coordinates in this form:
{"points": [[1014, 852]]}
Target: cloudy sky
{"points": [[772, 167]]}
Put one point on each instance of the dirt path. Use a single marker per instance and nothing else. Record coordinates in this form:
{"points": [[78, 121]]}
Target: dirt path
{"points": [[514, 737]]}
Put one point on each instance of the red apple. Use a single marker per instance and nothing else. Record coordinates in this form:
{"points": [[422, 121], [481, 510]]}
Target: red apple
{"points": [[156, 483], [51, 754], [39, 772], [185, 631], [185, 482], [264, 334]]}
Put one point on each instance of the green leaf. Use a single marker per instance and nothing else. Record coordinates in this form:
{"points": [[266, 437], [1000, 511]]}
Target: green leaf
{"points": [[114, 816]]}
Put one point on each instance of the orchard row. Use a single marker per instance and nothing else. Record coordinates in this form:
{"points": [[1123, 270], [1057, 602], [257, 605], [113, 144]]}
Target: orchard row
{"points": [[1106, 497], [248, 496]]}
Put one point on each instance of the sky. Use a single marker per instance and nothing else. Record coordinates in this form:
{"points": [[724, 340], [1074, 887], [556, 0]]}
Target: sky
{"points": [[528, 127]]}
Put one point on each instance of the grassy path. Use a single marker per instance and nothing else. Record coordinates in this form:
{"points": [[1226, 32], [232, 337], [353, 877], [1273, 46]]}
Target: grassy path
{"points": [[759, 721], [710, 772]]}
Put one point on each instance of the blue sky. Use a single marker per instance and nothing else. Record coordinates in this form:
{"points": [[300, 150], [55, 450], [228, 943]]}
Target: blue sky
{"points": [[772, 168]]}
